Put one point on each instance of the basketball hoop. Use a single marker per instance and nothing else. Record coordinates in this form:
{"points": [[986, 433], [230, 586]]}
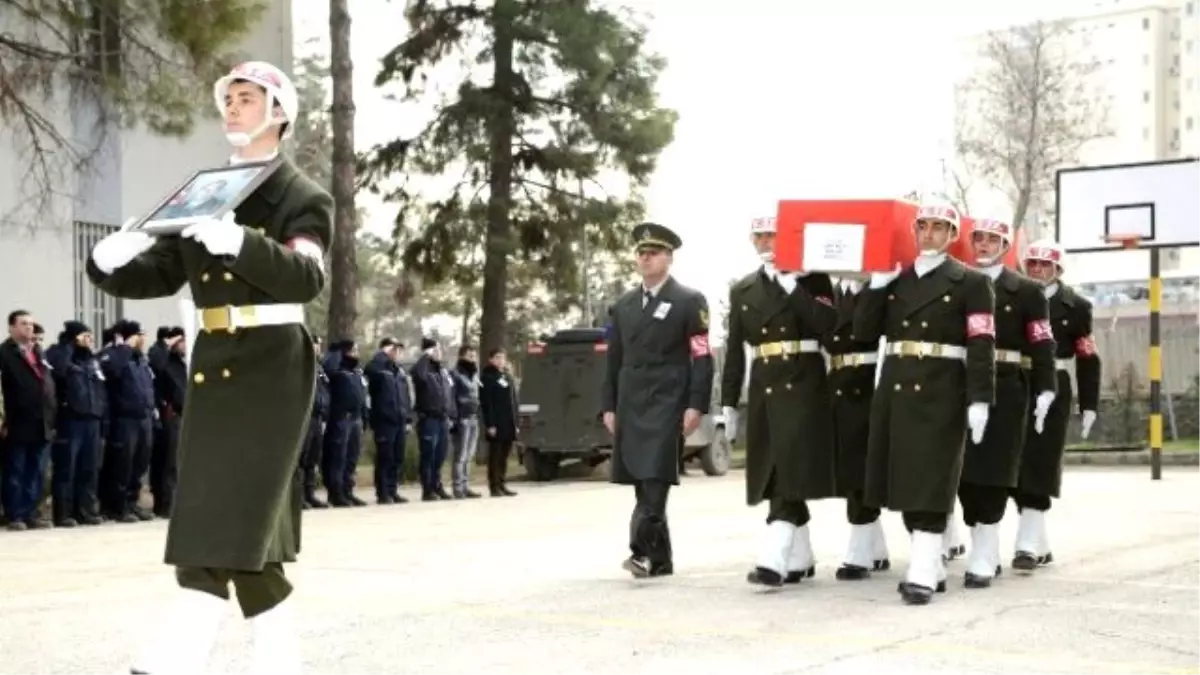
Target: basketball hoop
{"points": [[1127, 241]]}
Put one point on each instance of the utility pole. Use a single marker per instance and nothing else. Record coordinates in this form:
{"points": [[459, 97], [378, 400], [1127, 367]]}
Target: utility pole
{"points": [[587, 265]]}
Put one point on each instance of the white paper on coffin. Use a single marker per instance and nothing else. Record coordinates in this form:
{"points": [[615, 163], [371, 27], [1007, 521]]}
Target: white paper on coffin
{"points": [[833, 247]]}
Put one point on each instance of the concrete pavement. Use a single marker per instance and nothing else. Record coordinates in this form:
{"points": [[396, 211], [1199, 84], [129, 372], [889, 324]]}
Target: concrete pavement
{"points": [[533, 584]]}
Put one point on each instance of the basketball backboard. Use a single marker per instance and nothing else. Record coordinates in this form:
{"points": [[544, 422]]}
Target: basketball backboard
{"points": [[1157, 201]]}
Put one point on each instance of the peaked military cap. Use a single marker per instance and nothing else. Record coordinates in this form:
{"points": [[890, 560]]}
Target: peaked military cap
{"points": [[653, 235]]}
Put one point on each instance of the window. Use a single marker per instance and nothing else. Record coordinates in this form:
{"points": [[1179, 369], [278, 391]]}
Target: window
{"points": [[92, 306], [99, 36]]}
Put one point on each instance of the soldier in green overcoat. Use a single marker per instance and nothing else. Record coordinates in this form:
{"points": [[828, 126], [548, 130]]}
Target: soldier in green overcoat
{"points": [[936, 382], [236, 516], [781, 317], [852, 374], [657, 386], [1041, 461], [1024, 365]]}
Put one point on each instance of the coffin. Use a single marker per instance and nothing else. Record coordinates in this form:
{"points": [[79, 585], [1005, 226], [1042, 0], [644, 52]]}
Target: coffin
{"points": [[856, 236]]}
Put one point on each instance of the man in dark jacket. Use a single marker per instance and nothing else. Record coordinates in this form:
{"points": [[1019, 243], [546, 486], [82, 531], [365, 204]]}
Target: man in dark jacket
{"points": [[498, 408], [83, 402], [29, 419], [170, 386], [434, 407], [343, 433], [390, 410], [465, 432], [310, 455], [131, 400]]}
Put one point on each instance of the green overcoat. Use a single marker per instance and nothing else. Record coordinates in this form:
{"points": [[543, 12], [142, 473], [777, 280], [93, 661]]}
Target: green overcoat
{"points": [[919, 411], [250, 392]]}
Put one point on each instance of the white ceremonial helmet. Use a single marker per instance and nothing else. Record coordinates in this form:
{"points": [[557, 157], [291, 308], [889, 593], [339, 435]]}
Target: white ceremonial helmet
{"points": [[946, 213], [764, 225], [1047, 250], [1000, 229], [280, 91]]}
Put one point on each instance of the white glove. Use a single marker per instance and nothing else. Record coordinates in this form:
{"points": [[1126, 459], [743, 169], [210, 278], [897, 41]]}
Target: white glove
{"points": [[1085, 425], [882, 279], [221, 236], [1040, 408], [731, 422], [120, 248], [787, 281], [977, 418]]}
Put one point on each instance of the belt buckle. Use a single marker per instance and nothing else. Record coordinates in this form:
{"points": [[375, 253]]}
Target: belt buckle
{"points": [[217, 318], [838, 361], [853, 359], [770, 349], [1026, 363], [908, 348]]}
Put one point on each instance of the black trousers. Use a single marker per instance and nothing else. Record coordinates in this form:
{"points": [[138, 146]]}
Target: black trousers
{"points": [[1028, 500], [310, 456], [164, 471], [794, 511], [857, 512], [926, 521], [649, 534], [982, 504], [497, 462]]}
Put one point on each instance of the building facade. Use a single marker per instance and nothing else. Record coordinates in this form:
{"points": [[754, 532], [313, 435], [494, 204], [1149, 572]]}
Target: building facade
{"points": [[44, 249]]}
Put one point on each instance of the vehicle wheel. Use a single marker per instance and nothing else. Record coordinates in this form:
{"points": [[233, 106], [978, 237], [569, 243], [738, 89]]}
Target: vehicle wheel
{"points": [[540, 466], [715, 457]]}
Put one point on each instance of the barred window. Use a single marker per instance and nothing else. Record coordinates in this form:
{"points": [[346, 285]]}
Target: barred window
{"points": [[92, 306], [99, 36]]}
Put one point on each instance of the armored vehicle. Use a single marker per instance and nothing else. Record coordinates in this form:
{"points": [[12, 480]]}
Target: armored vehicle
{"points": [[560, 413]]}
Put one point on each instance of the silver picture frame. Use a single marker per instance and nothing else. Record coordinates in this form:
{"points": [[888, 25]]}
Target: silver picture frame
{"points": [[207, 193]]}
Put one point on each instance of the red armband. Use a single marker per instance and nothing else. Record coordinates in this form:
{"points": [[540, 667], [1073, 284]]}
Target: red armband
{"points": [[980, 323], [1085, 346], [699, 345], [825, 300], [1038, 331]]}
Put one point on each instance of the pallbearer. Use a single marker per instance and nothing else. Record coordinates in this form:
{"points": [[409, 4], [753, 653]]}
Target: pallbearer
{"points": [[1041, 462], [1024, 365], [782, 317]]}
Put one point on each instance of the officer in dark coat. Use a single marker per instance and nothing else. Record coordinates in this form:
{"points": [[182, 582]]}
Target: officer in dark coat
{"points": [[1042, 459], [83, 402], [656, 389], [131, 400], [498, 407], [30, 407], [170, 387], [789, 440], [938, 318], [852, 369], [310, 456], [390, 410], [1024, 365], [347, 414]]}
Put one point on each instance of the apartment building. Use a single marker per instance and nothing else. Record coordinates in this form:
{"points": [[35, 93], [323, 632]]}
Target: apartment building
{"points": [[43, 251]]}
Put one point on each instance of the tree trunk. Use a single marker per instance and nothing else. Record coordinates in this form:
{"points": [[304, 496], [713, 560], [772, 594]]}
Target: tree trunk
{"points": [[343, 301], [467, 310], [498, 242]]}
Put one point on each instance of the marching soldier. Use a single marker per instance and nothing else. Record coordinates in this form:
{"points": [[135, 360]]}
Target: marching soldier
{"points": [[657, 386], [1041, 462], [1024, 364], [789, 442], [937, 317], [852, 364], [235, 519]]}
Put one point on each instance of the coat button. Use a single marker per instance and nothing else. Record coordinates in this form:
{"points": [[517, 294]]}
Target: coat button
{"points": [[857, 392], [225, 373], [852, 336], [897, 387], [838, 392], [1008, 308], [198, 378], [228, 276], [891, 296], [1064, 322], [945, 298], [788, 386], [904, 323], [924, 324], [916, 387], [764, 331], [744, 308], [783, 329], [837, 338], [784, 357], [767, 390], [204, 277]]}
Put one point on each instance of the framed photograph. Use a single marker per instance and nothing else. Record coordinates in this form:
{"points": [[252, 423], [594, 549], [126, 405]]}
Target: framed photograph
{"points": [[208, 193]]}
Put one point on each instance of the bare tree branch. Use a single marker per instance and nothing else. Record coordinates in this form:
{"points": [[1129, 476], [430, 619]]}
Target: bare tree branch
{"points": [[1029, 109]]}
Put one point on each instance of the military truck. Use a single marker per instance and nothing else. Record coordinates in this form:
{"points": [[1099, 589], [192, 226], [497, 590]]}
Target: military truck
{"points": [[561, 417]]}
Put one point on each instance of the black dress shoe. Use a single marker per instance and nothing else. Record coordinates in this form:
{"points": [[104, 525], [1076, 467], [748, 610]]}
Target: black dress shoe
{"points": [[915, 594], [396, 498], [848, 572], [355, 501], [430, 497], [1024, 561], [471, 494], [764, 576], [883, 565], [797, 576], [507, 492], [976, 581]]}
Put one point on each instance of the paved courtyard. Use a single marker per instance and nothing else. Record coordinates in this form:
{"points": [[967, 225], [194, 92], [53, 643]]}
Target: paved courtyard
{"points": [[533, 584]]}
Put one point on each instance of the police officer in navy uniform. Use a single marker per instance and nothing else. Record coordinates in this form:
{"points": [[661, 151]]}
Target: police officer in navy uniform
{"points": [[657, 386], [390, 410], [310, 456], [343, 433], [170, 386], [937, 383], [1024, 366], [1042, 458], [83, 401], [131, 402], [782, 317]]}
